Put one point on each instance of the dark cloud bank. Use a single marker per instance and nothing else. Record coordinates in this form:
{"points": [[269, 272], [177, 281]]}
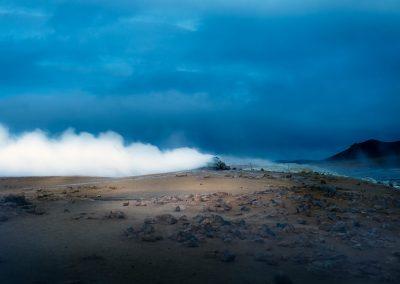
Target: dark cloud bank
{"points": [[270, 79]]}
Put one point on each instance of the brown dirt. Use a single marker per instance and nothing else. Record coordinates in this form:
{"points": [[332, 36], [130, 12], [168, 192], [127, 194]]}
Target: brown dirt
{"points": [[230, 227]]}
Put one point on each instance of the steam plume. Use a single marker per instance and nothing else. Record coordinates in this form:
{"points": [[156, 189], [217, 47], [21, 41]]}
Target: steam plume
{"points": [[36, 154]]}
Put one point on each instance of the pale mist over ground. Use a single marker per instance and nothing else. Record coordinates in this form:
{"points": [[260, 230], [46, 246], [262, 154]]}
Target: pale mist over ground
{"points": [[35, 153]]}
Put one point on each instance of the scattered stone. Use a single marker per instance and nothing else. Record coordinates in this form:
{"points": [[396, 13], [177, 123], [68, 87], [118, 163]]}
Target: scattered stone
{"points": [[329, 190], [125, 203], [35, 210], [301, 222], [177, 208], [212, 220], [149, 220], [258, 240], [186, 237], [166, 219], [140, 203], [245, 209], [281, 225], [115, 215], [356, 223], [219, 206], [151, 238], [304, 208], [339, 227], [145, 233], [17, 200], [183, 219], [192, 242], [267, 232], [147, 228], [331, 216]]}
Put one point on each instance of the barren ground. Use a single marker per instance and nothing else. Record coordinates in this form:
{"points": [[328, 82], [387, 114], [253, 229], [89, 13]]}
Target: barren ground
{"points": [[199, 227]]}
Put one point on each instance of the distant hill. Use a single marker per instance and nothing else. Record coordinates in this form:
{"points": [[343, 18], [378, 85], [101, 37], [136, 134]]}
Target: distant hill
{"points": [[369, 151]]}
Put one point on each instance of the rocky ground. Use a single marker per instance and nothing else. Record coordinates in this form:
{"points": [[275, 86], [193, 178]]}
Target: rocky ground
{"points": [[201, 226]]}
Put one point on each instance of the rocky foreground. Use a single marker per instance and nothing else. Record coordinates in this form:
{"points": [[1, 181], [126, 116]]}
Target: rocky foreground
{"points": [[201, 226]]}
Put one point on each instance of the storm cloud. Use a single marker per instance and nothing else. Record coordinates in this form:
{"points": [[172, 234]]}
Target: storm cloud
{"points": [[274, 79]]}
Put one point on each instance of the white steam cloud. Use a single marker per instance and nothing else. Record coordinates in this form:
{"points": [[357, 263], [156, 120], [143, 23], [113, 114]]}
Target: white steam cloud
{"points": [[36, 154]]}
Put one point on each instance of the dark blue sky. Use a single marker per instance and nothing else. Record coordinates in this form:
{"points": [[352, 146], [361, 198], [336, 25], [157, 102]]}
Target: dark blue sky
{"points": [[277, 79]]}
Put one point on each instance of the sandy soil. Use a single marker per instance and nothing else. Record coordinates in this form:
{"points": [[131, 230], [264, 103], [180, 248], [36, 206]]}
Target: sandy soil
{"points": [[199, 227]]}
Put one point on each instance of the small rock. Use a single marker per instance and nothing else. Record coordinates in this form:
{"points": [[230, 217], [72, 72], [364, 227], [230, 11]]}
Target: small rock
{"points": [[192, 242], [228, 256], [147, 228], [183, 219], [281, 225], [245, 209], [339, 227], [328, 189], [301, 222], [140, 203], [258, 240], [267, 232], [18, 200], [149, 220], [187, 238], [151, 238], [115, 215], [34, 210], [167, 219], [125, 203]]}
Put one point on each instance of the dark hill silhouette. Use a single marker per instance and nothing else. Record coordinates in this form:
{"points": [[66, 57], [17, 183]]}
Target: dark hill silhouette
{"points": [[368, 153], [369, 150]]}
